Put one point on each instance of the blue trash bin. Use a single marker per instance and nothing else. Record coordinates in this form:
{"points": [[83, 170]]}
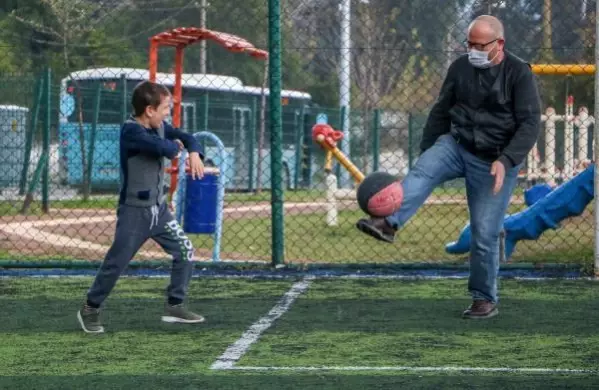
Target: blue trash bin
{"points": [[201, 203]]}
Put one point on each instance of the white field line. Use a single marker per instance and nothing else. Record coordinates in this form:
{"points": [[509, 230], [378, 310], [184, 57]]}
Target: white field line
{"points": [[236, 350], [511, 370]]}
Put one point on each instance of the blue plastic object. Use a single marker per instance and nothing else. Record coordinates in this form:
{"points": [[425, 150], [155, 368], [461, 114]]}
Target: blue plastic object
{"points": [[534, 193], [220, 196], [568, 200], [201, 204]]}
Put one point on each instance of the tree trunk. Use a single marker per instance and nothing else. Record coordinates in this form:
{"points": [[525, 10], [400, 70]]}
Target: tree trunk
{"points": [[547, 53]]}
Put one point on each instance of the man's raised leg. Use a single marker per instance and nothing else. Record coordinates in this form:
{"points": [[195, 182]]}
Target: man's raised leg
{"points": [[438, 164]]}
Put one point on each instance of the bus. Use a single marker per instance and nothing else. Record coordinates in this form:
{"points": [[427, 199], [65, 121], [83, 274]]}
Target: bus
{"points": [[219, 104]]}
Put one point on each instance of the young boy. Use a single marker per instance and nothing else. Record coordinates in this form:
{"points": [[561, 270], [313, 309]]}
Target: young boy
{"points": [[145, 141]]}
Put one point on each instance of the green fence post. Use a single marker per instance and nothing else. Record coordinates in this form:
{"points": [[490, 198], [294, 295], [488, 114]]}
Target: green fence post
{"points": [[308, 148], [341, 126], [293, 131], [205, 100], [33, 184], [276, 131], [299, 135], [376, 141], [124, 103], [92, 143], [205, 109], [252, 143], [410, 140], [46, 144], [39, 91]]}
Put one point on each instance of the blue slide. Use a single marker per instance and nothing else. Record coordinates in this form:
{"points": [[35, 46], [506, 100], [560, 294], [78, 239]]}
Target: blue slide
{"points": [[568, 200]]}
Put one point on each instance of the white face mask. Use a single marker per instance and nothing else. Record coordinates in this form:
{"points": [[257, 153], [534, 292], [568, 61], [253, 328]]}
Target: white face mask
{"points": [[480, 59]]}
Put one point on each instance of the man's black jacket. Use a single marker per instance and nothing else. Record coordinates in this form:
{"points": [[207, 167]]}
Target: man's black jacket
{"points": [[501, 123]]}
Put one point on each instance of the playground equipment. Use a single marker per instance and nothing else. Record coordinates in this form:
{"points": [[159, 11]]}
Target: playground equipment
{"points": [[563, 69], [200, 202], [327, 137], [180, 38], [568, 200]]}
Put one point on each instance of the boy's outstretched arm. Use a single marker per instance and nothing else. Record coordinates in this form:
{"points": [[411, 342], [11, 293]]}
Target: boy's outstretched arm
{"points": [[136, 137], [189, 141], [193, 147]]}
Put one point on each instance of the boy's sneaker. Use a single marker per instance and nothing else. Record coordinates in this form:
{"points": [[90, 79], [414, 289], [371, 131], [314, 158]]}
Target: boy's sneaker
{"points": [[89, 319], [179, 314]]}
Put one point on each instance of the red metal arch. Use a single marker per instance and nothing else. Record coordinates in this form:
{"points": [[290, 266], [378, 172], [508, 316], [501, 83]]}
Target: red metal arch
{"points": [[180, 38]]}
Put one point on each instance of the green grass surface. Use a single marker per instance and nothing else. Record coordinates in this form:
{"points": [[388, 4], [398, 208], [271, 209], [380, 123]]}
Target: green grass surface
{"points": [[407, 323], [549, 324], [232, 198], [309, 239], [423, 239]]}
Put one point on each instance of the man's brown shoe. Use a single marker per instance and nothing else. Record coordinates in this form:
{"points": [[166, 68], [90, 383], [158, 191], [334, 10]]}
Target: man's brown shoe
{"points": [[377, 228], [481, 309]]}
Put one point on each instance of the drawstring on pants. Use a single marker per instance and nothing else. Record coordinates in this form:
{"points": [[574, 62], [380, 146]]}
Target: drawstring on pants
{"points": [[154, 221]]}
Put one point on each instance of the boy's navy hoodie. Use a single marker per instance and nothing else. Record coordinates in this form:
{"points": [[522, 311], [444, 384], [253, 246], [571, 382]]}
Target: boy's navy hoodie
{"points": [[142, 154]]}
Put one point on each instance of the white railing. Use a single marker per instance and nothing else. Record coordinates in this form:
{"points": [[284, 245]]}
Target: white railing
{"points": [[575, 160]]}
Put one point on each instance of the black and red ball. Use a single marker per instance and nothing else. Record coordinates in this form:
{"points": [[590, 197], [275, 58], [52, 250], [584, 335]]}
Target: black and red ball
{"points": [[380, 194]]}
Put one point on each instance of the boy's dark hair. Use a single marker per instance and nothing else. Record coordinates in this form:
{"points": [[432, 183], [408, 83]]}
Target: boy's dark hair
{"points": [[147, 93]]}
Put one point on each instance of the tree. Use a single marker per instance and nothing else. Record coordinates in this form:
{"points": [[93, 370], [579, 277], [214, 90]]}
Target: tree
{"points": [[9, 60], [66, 24]]}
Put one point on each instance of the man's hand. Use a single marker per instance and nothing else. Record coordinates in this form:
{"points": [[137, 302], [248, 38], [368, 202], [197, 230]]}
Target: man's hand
{"points": [[178, 142], [196, 166], [498, 170]]}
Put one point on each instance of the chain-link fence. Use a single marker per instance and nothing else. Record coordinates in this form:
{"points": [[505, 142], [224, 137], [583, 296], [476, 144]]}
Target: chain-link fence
{"points": [[390, 65], [372, 69]]}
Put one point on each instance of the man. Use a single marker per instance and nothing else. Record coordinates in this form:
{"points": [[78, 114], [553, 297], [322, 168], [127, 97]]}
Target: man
{"points": [[482, 126]]}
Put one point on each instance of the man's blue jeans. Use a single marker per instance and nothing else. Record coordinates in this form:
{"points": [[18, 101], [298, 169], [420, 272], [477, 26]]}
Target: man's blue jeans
{"points": [[447, 160]]}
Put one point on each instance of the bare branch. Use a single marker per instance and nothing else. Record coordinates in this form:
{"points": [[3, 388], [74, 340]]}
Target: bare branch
{"points": [[35, 25]]}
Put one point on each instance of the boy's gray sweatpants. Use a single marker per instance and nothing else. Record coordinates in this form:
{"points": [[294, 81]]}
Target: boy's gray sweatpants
{"points": [[135, 225]]}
